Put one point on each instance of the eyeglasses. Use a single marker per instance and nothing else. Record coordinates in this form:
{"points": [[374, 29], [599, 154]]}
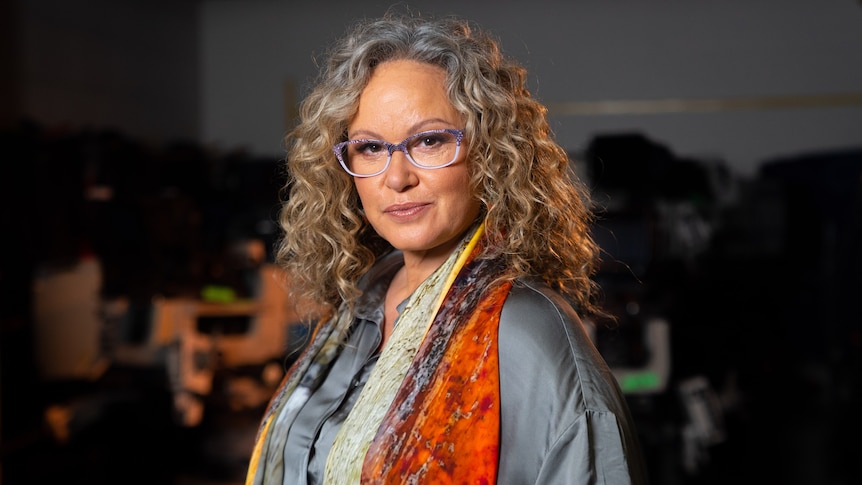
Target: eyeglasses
{"points": [[431, 149]]}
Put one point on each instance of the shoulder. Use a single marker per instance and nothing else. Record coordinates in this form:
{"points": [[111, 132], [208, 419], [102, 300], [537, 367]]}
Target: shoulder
{"points": [[532, 295], [536, 314], [542, 336]]}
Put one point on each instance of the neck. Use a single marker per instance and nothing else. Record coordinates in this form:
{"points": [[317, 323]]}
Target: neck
{"points": [[417, 268]]}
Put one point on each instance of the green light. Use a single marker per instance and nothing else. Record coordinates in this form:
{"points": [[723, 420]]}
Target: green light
{"points": [[639, 381], [220, 294]]}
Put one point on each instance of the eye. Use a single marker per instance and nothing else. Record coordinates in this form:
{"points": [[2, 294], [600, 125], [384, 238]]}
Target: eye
{"points": [[368, 147], [431, 140]]}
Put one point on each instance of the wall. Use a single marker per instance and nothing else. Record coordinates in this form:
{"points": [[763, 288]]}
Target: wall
{"points": [[759, 54], [225, 72], [128, 65]]}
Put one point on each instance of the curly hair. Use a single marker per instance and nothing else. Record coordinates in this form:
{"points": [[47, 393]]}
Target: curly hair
{"points": [[536, 211]]}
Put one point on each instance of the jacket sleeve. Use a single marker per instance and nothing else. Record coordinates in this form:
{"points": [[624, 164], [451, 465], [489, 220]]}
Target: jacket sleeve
{"points": [[564, 419], [593, 450]]}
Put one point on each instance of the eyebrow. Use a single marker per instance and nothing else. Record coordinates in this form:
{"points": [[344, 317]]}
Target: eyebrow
{"points": [[419, 127]]}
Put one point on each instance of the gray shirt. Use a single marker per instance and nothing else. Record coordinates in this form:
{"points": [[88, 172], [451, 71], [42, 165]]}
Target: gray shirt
{"points": [[563, 417]]}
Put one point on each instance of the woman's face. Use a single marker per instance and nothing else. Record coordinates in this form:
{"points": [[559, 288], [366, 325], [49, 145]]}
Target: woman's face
{"points": [[419, 211]]}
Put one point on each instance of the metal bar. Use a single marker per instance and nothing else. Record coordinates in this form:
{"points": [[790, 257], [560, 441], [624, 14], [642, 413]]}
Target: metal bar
{"points": [[704, 105]]}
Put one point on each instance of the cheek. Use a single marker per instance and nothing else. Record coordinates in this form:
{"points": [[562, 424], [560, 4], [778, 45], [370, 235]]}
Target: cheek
{"points": [[364, 192], [461, 201], [460, 187]]}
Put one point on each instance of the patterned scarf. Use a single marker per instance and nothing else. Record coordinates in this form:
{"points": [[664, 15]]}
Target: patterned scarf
{"points": [[430, 410]]}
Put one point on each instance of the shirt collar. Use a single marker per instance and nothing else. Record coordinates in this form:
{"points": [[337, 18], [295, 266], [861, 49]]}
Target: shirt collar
{"points": [[374, 285]]}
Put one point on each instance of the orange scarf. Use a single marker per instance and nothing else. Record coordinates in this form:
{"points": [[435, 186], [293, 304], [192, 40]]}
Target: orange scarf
{"points": [[444, 424]]}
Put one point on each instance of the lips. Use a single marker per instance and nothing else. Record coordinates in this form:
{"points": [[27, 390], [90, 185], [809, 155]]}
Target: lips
{"points": [[406, 210]]}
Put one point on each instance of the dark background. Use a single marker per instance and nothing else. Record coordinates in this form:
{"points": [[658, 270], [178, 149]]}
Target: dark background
{"points": [[761, 296], [757, 273]]}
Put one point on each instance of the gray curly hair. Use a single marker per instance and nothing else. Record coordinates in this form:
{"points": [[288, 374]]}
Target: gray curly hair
{"points": [[536, 210]]}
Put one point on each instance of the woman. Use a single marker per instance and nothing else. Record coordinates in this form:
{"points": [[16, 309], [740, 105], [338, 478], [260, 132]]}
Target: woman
{"points": [[432, 213]]}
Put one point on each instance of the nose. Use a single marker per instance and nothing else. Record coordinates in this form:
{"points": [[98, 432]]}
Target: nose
{"points": [[401, 174]]}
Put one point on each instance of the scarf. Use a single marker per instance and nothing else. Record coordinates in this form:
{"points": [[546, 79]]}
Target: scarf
{"points": [[430, 410]]}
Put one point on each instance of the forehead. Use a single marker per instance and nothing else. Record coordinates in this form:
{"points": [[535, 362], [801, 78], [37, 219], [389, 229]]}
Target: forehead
{"points": [[405, 77], [404, 92]]}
